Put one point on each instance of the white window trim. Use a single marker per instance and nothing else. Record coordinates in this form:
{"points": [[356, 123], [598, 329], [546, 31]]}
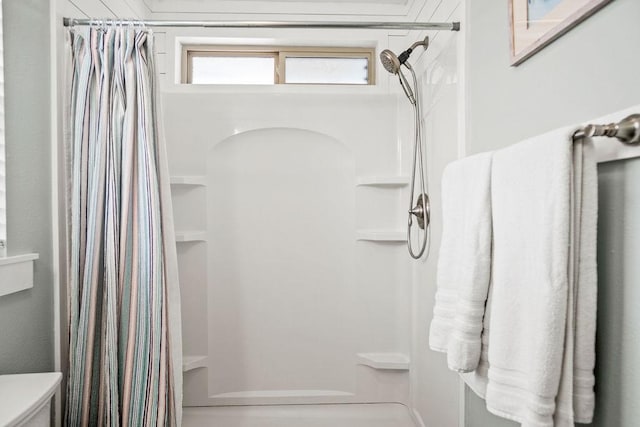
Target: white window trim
{"points": [[279, 53]]}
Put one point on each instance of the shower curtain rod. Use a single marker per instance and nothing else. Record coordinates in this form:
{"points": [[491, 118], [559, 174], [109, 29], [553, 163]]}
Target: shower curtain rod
{"points": [[451, 26]]}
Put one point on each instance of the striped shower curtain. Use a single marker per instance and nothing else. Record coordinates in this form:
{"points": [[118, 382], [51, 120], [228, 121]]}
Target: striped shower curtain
{"points": [[123, 301]]}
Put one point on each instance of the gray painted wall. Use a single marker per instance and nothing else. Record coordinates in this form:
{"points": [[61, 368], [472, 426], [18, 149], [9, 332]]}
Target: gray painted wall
{"points": [[589, 72], [618, 336], [26, 317]]}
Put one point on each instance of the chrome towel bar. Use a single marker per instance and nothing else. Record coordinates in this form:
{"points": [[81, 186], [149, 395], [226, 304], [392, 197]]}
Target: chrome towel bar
{"points": [[626, 130]]}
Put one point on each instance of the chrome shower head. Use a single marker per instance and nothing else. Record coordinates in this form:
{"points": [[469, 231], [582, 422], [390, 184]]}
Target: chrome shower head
{"points": [[390, 61]]}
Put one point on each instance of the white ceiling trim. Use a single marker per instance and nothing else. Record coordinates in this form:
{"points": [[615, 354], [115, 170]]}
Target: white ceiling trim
{"points": [[352, 10], [322, 1]]}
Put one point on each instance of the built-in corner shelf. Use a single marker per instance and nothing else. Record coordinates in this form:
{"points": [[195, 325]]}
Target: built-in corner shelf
{"points": [[386, 361], [189, 363], [383, 181], [191, 236], [377, 235], [16, 273], [196, 180]]}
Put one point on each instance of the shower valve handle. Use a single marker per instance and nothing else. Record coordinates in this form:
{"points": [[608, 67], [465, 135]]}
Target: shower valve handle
{"points": [[422, 211], [417, 211]]}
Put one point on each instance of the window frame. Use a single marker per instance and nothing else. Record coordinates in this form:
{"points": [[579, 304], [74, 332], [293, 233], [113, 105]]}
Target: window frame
{"points": [[280, 55]]}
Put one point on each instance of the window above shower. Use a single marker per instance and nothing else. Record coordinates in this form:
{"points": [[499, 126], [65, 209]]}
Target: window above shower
{"points": [[251, 65]]}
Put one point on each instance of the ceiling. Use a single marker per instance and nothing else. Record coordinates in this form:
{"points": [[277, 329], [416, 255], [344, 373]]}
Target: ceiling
{"points": [[330, 1], [213, 2], [278, 6]]}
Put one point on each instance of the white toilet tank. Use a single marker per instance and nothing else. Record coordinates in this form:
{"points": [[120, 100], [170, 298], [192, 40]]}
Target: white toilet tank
{"points": [[25, 399]]}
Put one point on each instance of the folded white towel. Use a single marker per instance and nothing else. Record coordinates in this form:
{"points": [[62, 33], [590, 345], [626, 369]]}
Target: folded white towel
{"points": [[540, 329], [464, 263], [576, 396]]}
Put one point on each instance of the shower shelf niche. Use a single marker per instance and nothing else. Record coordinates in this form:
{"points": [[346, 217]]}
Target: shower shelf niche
{"points": [[195, 180], [191, 236], [190, 363], [386, 361], [383, 181], [379, 235]]}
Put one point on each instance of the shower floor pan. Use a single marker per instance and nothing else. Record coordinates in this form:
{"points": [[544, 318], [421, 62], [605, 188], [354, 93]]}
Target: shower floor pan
{"points": [[347, 415]]}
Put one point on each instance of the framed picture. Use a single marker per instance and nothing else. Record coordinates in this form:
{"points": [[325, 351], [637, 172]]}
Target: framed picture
{"points": [[536, 23]]}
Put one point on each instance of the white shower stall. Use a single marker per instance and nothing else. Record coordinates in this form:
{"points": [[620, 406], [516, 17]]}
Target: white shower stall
{"points": [[290, 210], [300, 303], [296, 283]]}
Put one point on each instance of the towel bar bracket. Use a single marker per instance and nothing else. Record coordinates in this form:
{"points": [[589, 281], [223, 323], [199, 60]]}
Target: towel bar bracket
{"points": [[626, 131]]}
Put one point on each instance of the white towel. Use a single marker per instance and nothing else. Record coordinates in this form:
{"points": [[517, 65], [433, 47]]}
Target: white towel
{"points": [[464, 263], [539, 339]]}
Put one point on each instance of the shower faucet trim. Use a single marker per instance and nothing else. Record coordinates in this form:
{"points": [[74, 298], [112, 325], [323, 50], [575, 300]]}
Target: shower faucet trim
{"points": [[422, 209]]}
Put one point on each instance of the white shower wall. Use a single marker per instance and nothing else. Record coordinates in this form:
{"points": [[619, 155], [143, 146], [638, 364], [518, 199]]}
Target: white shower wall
{"points": [[435, 391], [285, 299]]}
